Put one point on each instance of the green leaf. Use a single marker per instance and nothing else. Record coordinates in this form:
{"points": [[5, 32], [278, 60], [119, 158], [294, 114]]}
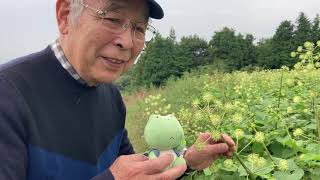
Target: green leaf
{"points": [[279, 150], [260, 171], [207, 172], [296, 175], [234, 176], [313, 148], [260, 117], [257, 148], [287, 141], [294, 172], [311, 126], [310, 157], [300, 107], [315, 174]]}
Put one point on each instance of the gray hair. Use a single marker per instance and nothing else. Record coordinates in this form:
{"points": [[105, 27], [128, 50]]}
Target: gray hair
{"points": [[76, 9]]}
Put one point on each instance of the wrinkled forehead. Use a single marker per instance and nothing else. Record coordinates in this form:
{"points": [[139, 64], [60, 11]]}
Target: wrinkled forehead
{"points": [[139, 7]]}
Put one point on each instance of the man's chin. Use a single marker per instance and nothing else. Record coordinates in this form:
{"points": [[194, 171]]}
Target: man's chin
{"points": [[107, 78]]}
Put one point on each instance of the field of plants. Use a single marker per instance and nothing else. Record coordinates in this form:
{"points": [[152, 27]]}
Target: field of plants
{"points": [[273, 116]]}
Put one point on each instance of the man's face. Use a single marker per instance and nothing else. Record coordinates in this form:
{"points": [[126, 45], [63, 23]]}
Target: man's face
{"points": [[97, 54]]}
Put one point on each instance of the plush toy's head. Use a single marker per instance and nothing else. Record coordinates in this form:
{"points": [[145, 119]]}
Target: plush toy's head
{"points": [[163, 132]]}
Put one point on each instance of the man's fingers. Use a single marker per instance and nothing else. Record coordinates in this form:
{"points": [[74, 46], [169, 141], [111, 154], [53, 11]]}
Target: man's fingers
{"points": [[203, 137], [137, 157], [229, 154], [157, 165], [215, 149], [172, 173], [227, 139]]}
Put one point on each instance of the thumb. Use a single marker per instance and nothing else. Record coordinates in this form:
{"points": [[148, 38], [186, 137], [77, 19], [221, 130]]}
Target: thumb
{"points": [[159, 164], [216, 149], [203, 137]]}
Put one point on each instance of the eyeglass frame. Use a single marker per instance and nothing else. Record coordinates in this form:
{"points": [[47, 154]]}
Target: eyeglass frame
{"points": [[102, 14]]}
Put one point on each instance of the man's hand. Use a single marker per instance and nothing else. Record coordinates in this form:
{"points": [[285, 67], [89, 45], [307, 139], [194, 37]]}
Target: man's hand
{"points": [[199, 160], [139, 167]]}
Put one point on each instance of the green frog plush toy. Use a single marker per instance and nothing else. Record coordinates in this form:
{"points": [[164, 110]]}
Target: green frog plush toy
{"points": [[164, 134]]}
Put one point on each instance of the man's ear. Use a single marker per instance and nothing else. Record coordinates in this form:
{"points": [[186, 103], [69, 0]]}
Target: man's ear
{"points": [[62, 15]]}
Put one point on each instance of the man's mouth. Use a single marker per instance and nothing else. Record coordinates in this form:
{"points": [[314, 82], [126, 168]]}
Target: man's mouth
{"points": [[114, 61]]}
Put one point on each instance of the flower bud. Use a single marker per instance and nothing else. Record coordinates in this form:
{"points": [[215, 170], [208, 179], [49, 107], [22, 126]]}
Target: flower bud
{"points": [[293, 54], [290, 82], [208, 97], [283, 165], [215, 119], [302, 56], [237, 118], [259, 137], [297, 99], [289, 110], [239, 133], [308, 45], [253, 158], [228, 163], [309, 53], [216, 135], [195, 103], [297, 132]]}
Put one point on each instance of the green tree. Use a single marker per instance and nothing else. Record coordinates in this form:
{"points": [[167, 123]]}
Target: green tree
{"points": [[303, 30], [264, 53], [316, 28], [172, 34], [249, 51], [193, 52], [158, 62], [235, 51], [283, 45]]}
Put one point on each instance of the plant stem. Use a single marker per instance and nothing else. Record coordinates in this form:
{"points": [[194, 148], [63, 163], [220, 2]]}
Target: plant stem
{"points": [[237, 143], [281, 118], [205, 142], [245, 146], [287, 130], [309, 138], [317, 117], [269, 154], [279, 97], [265, 147], [251, 175]]}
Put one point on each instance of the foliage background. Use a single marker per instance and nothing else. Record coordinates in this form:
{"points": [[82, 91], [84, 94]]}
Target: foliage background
{"points": [[227, 51], [231, 85]]}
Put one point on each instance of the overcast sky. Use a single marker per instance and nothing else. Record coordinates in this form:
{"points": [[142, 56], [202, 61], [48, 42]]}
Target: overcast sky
{"points": [[29, 25]]}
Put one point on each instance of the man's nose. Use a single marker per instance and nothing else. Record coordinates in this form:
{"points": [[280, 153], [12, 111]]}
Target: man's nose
{"points": [[126, 38]]}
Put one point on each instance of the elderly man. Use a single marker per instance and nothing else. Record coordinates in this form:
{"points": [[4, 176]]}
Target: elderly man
{"points": [[60, 116]]}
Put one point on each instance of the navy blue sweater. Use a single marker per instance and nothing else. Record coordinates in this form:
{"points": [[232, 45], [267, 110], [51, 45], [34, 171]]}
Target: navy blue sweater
{"points": [[55, 128]]}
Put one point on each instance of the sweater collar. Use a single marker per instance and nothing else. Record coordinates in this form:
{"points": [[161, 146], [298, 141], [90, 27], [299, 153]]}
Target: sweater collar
{"points": [[59, 53]]}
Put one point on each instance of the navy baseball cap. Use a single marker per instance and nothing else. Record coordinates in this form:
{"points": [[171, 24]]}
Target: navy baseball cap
{"points": [[155, 10]]}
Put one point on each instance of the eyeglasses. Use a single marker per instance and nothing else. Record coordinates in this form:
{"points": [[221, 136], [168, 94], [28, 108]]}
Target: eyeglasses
{"points": [[116, 23]]}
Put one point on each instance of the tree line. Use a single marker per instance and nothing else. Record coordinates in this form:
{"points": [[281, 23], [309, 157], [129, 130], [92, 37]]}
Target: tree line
{"points": [[227, 51]]}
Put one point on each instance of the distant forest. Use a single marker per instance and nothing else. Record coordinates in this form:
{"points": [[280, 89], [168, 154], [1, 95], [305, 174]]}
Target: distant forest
{"points": [[226, 51]]}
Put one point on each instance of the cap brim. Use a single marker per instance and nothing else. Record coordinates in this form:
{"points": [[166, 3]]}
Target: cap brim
{"points": [[155, 10]]}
